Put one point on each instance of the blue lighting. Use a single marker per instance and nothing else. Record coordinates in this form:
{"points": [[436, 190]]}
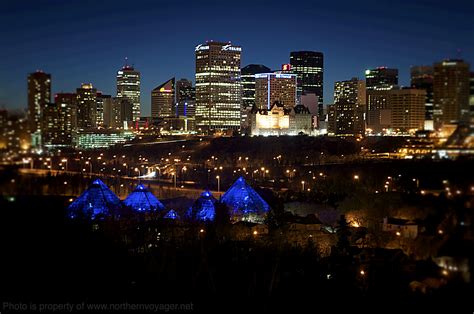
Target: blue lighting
{"points": [[143, 200], [97, 202], [172, 214], [244, 202], [203, 208]]}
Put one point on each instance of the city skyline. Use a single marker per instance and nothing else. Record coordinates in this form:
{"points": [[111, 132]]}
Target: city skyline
{"points": [[401, 47]]}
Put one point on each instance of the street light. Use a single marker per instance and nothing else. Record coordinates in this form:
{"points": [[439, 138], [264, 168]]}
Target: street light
{"points": [[90, 167], [64, 160], [302, 184], [356, 177], [174, 177], [218, 183]]}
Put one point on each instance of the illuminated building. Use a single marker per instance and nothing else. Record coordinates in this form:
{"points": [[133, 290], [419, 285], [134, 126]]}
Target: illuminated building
{"points": [[248, 90], [101, 138], [163, 100], [244, 203], [422, 78], [451, 92], [471, 96], [185, 90], [86, 107], [407, 107], [39, 95], [97, 202], [67, 106], [14, 133], [275, 87], [218, 87], [378, 111], [281, 121], [128, 86], [142, 200], [349, 107], [381, 78], [204, 208], [50, 124], [101, 101], [248, 83], [309, 66]]}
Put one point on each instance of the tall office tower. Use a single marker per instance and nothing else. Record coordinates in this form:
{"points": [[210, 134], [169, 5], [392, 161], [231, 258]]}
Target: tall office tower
{"points": [[163, 100], [421, 77], [451, 92], [349, 107], [100, 100], [108, 103], [86, 106], [122, 113], [309, 66], [248, 91], [378, 82], [275, 87], [185, 90], [128, 86], [248, 83], [50, 125], [471, 96], [378, 115], [218, 86], [67, 119], [39, 95], [381, 78], [407, 107]]}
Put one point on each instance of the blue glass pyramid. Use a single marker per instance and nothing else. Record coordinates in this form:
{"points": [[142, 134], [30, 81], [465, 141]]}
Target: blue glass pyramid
{"points": [[172, 214], [96, 202], [244, 203], [141, 199], [204, 208]]}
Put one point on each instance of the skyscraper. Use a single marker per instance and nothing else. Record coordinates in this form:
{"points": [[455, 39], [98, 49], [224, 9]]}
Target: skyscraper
{"points": [[86, 106], [471, 95], [309, 66], [163, 100], [349, 107], [378, 82], [218, 86], [381, 78], [128, 86], [407, 106], [39, 95], [422, 78], [185, 90], [275, 87], [248, 83], [67, 120], [451, 91], [100, 101]]}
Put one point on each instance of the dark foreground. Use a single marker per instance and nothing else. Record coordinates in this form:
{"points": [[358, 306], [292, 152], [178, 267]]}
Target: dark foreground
{"points": [[50, 262]]}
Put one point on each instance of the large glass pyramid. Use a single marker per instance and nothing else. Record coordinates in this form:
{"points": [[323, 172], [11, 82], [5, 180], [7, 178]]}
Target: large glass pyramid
{"points": [[141, 199], [97, 202], [204, 208], [244, 203]]}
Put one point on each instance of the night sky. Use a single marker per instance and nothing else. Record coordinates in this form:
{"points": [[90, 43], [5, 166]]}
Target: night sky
{"points": [[86, 41]]}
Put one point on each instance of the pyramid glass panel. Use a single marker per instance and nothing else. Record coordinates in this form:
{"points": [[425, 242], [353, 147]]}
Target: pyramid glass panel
{"points": [[141, 199], [204, 208], [244, 203], [172, 214], [97, 202]]}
